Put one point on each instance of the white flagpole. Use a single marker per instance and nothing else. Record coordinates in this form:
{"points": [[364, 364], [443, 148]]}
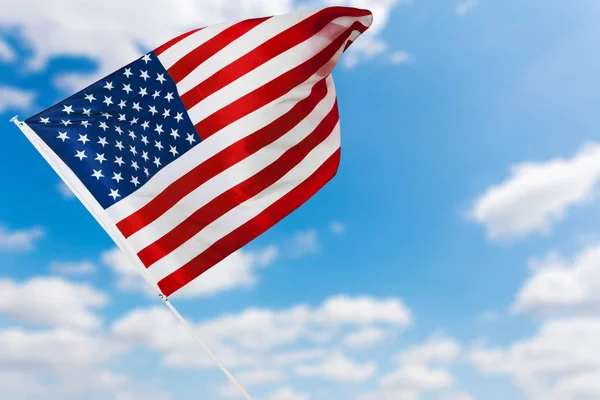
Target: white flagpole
{"points": [[87, 200]]}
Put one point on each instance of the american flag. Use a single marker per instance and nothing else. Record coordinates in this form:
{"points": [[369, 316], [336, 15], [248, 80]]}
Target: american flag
{"points": [[200, 146]]}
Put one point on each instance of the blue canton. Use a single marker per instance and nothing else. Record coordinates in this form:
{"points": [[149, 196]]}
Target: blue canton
{"points": [[118, 133]]}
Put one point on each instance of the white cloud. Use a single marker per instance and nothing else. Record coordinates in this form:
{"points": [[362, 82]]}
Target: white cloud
{"points": [[466, 6], [488, 317], [6, 52], [337, 227], [559, 286], [538, 195], [417, 378], [65, 191], [559, 362], [237, 270], [244, 338], [401, 57], [15, 99], [59, 349], [260, 376], [51, 301], [287, 393], [73, 268], [68, 28], [19, 240], [304, 243], [364, 310], [364, 338], [442, 350], [338, 367]]}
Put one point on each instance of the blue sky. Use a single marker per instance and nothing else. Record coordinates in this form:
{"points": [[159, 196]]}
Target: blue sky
{"points": [[454, 256]]}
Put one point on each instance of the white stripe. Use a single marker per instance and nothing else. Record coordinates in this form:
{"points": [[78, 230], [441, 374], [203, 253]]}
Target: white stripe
{"points": [[247, 210], [238, 48], [233, 176], [265, 73], [209, 147], [188, 44]]}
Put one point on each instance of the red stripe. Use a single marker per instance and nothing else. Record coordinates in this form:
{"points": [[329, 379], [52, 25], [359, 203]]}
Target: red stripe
{"points": [[268, 50], [274, 89], [221, 161], [161, 49], [187, 64], [237, 195], [251, 229]]}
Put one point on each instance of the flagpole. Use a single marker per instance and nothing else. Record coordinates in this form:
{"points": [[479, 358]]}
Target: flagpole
{"points": [[78, 189]]}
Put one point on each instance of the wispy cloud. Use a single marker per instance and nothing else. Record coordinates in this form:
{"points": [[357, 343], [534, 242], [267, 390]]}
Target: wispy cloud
{"points": [[466, 6], [19, 240], [15, 99], [6, 52]]}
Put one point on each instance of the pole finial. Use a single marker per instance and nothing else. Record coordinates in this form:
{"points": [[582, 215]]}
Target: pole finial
{"points": [[15, 119]]}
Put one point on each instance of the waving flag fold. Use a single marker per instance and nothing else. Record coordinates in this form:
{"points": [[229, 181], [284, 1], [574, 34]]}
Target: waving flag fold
{"points": [[195, 149]]}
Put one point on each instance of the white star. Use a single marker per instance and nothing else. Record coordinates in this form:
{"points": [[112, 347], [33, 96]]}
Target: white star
{"points": [[62, 136], [157, 162], [179, 117], [122, 104], [100, 158], [81, 155], [134, 121], [136, 107], [132, 135], [156, 94], [119, 160], [102, 142], [108, 100], [114, 194], [167, 113], [169, 97], [127, 72], [135, 165], [87, 111], [153, 110], [135, 181], [146, 171], [85, 123], [127, 88], [190, 138], [173, 151], [83, 139], [145, 125], [158, 145], [117, 177], [159, 129], [161, 78], [109, 86], [106, 115], [143, 92], [174, 133], [145, 155], [98, 174], [68, 109], [145, 140], [103, 125], [119, 145], [44, 120], [144, 75], [133, 150], [122, 117], [119, 130], [146, 58], [90, 97], [65, 123]]}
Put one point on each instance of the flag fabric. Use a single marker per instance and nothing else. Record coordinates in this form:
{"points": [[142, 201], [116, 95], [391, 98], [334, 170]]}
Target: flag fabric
{"points": [[195, 149]]}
